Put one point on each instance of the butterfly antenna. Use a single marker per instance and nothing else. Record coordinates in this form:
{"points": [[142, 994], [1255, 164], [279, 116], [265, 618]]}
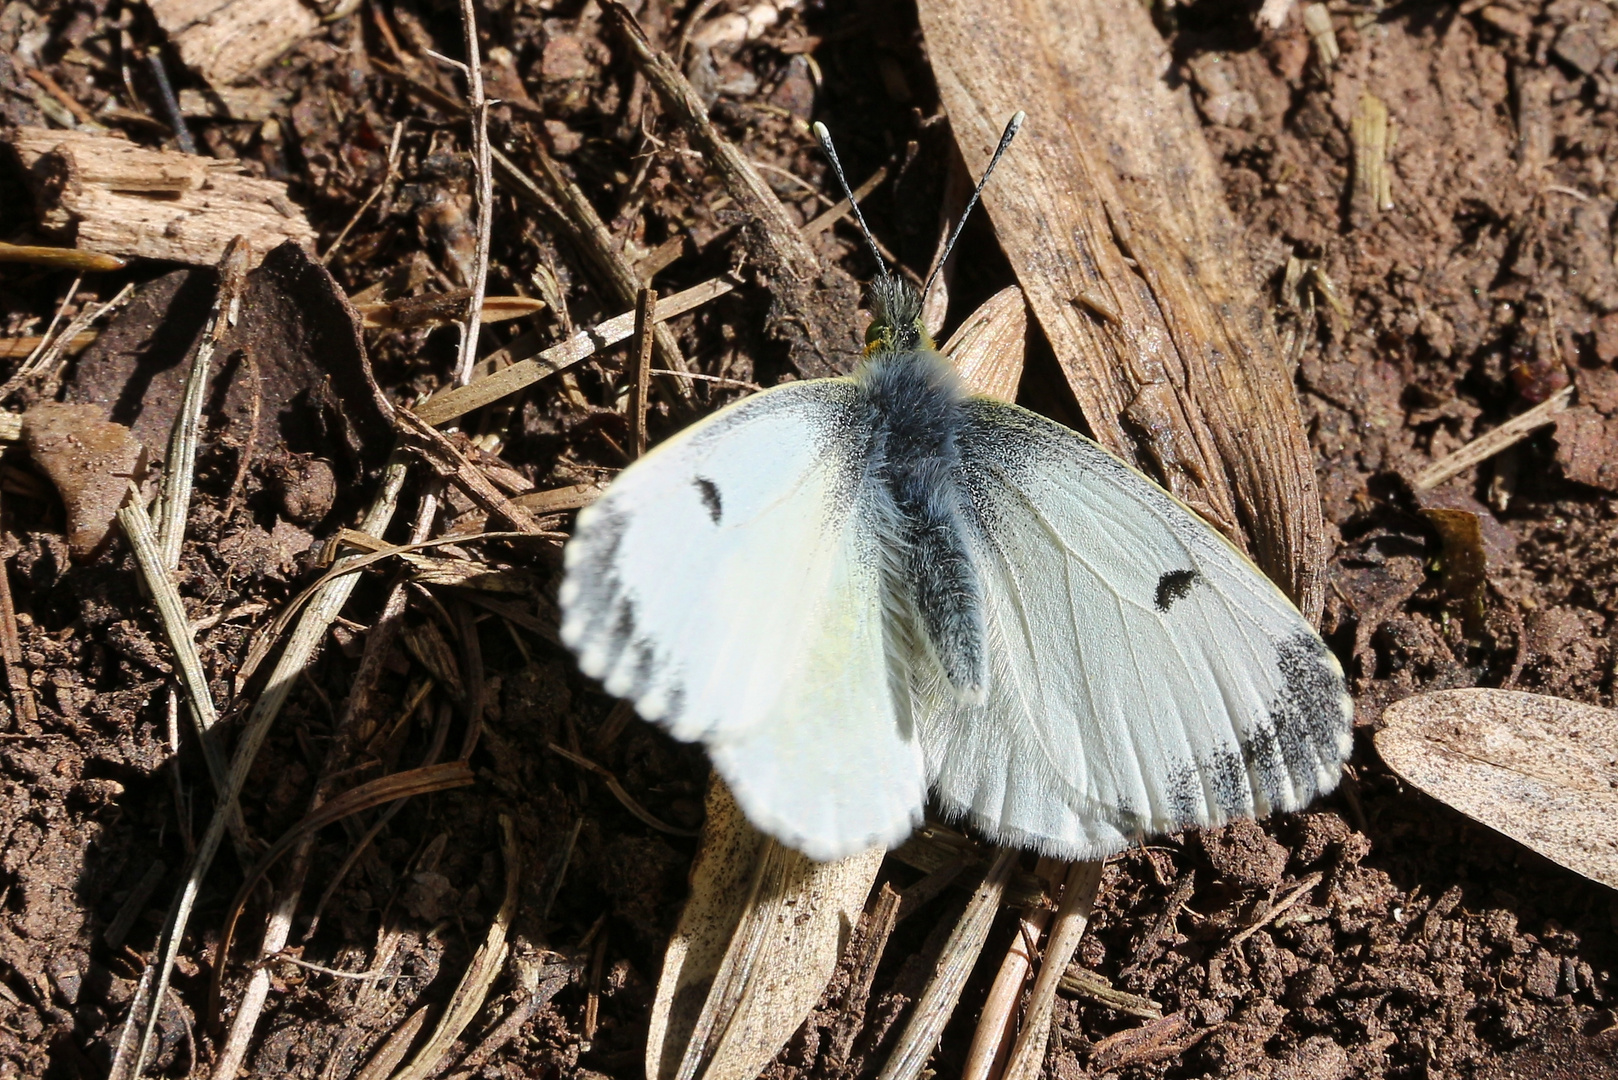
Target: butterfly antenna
{"points": [[1012, 127], [824, 138]]}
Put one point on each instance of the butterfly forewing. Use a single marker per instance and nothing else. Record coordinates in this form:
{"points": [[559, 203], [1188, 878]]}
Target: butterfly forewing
{"points": [[730, 585], [1145, 676]]}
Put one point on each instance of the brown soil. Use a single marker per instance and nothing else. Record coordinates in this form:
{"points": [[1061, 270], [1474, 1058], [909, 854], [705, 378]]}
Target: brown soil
{"points": [[1431, 947]]}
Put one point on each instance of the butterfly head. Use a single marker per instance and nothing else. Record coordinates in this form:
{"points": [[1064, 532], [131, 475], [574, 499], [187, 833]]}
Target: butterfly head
{"points": [[896, 324]]}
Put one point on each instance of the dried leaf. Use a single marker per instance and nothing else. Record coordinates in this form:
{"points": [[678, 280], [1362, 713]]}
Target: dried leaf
{"points": [[1464, 565], [988, 348], [757, 942], [91, 460], [1542, 770], [1111, 210]]}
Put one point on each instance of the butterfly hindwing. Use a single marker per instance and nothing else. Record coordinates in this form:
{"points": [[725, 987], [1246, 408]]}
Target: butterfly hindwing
{"points": [[730, 585], [1145, 676]]}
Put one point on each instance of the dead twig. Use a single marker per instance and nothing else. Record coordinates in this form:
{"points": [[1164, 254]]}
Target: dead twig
{"points": [[937, 1002], [446, 406], [1078, 897], [997, 1023], [444, 458], [1078, 980], [1490, 443], [1278, 908], [869, 941], [640, 370], [483, 194]]}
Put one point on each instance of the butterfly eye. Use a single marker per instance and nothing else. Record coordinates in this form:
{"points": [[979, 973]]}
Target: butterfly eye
{"points": [[875, 333]]}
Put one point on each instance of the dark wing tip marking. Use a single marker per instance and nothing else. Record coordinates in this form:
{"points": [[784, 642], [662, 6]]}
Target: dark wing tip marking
{"points": [[1173, 586], [710, 497]]}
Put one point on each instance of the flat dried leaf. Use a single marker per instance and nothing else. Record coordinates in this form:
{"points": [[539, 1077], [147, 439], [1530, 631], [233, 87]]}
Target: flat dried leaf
{"points": [[91, 460], [1542, 770], [757, 942], [1111, 211], [989, 347]]}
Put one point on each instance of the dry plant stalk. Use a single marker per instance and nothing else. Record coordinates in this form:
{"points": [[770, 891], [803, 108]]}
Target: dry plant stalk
{"points": [[120, 199], [1111, 210], [1072, 917], [450, 404]]}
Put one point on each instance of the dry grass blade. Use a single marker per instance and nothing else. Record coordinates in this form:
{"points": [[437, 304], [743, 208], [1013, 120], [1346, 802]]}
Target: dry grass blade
{"points": [[592, 237], [988, 348], [618, 792], [781, 954], [757, 941], [441, 308], [937, 1002], [1152, 310], [480, 974], [179, 469], [1541, 770], [1078, 898], [447, 406], [177, 628], [61, 258], [387, 789], [300, 648], [720, 876], [1490, 443]]}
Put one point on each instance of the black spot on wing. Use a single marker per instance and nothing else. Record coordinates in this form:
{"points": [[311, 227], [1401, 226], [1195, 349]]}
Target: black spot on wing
{"points": [[710, 497], [1227, 776], [1174, 585], [1307, 714]]}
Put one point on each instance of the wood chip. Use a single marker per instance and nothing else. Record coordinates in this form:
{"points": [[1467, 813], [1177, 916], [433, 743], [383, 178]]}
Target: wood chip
{"points": [[120, 199], [1111, 200], [1541, 770], [228, 42], [1373, 184]]}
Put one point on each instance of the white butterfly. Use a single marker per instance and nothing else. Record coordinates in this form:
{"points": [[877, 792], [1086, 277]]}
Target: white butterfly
{"points": [[856, 591]]}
